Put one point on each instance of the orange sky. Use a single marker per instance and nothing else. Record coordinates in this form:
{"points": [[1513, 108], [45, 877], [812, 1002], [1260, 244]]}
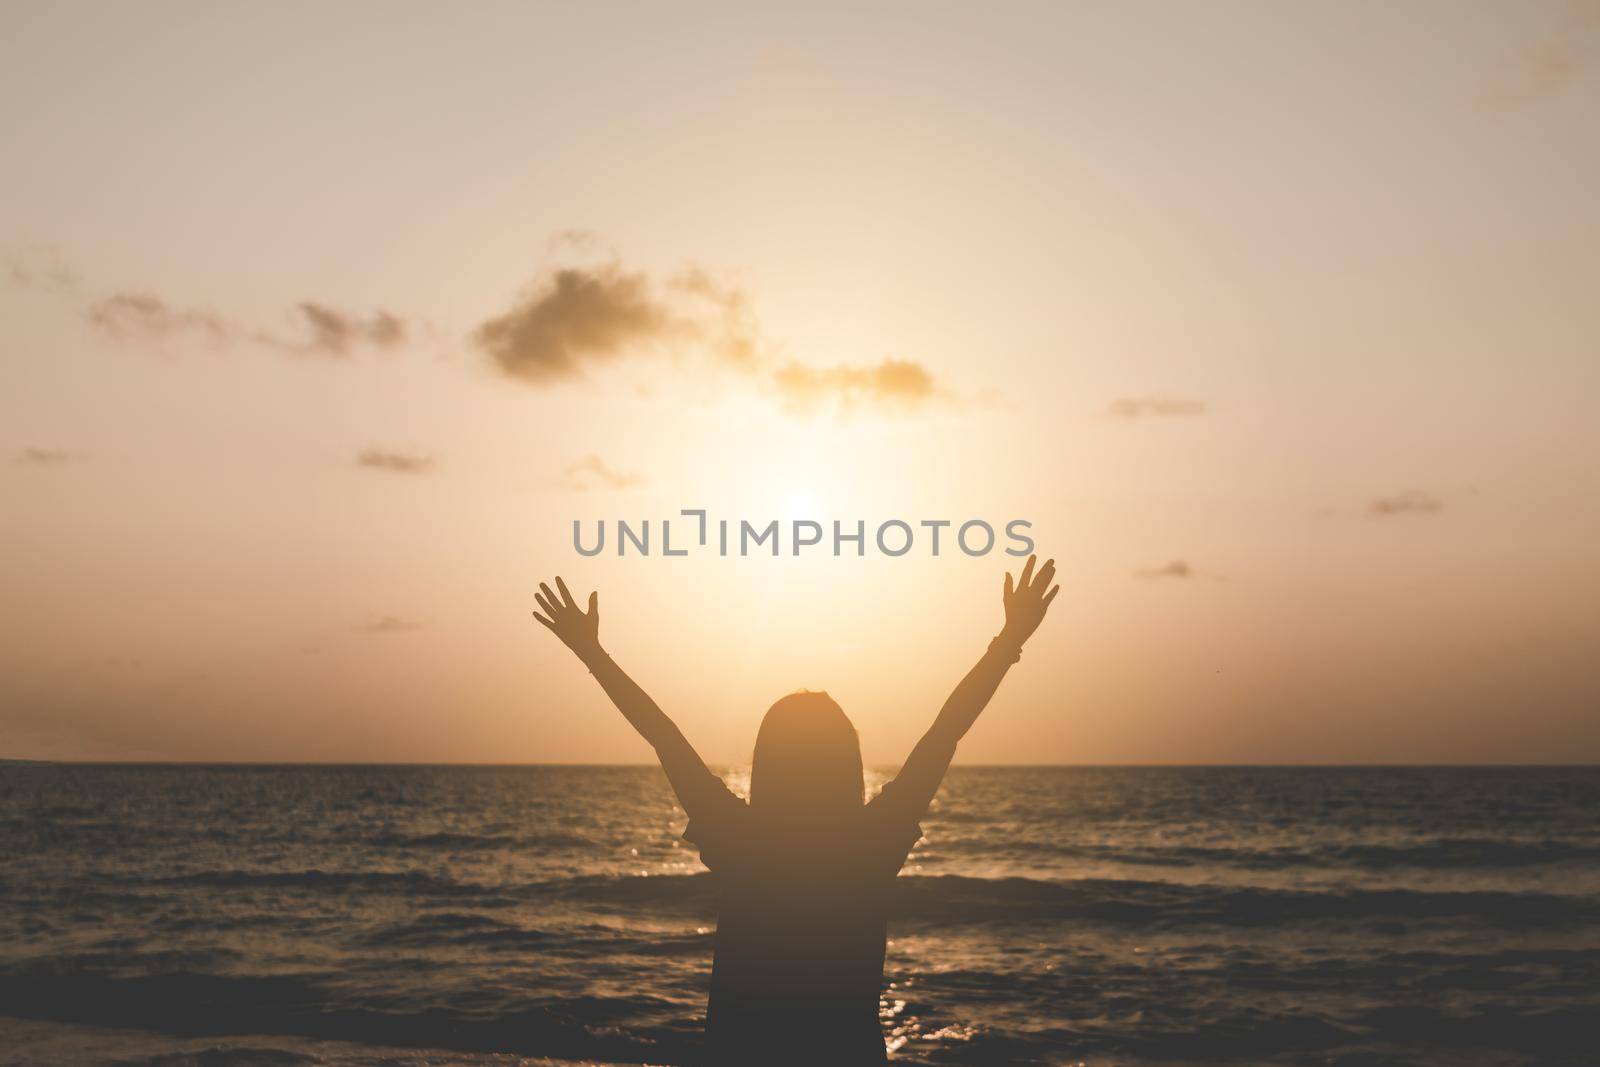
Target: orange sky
{"points": [[320, 325]]}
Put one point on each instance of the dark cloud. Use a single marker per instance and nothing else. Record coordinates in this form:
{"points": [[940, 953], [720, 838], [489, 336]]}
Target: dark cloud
{"points": [[388, 624], [46, 457], [577, 317], [143, 317], [1176, 569], [1132, 408], [1410, 502], [398, 462], [591, 472], [892, 383]]}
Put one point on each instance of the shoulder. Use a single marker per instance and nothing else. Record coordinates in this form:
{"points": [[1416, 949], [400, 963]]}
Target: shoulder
{"points": [[895, 805], [719, 828], [890, 825]]}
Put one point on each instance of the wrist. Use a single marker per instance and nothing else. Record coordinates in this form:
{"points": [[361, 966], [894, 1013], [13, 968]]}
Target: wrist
{"points": [[1008, 645]]}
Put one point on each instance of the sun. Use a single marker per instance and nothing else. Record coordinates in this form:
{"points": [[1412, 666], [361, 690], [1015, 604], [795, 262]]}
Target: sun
{"points": [[800, 504]]}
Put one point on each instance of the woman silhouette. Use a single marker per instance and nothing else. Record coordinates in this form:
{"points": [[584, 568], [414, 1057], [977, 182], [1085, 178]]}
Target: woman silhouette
{"points": [[804, 869]]}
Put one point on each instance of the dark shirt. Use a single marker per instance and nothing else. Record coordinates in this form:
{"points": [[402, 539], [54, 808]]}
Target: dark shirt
{"points": [[801, 928]]}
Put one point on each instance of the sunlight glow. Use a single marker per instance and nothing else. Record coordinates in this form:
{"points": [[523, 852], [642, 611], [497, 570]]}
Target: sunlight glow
{"points": [[800, 504]]}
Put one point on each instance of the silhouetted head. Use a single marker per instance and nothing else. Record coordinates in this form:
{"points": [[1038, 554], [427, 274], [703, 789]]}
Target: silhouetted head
{"points": [[807, 761]]}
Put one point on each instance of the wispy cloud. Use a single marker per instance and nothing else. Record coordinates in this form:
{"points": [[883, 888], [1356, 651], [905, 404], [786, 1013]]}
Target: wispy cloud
{"points": [[574, 238], [38, 267], [144, 317], [335, 333], [1546, 66], [579, 318], [385, 459], [1409, 502], [1178, 570], [891, 384], [388, 624], [1134, 408], [318, 328], [50, 457], [591, 472], [733, 334]]}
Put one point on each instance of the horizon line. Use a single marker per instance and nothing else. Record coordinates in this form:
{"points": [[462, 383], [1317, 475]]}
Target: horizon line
{"points": [[1266, 765]]}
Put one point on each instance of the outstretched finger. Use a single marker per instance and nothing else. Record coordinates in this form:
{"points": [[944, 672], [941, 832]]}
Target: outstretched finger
{"points": [[594, 606], [566, 596], [546, 623], [550, 595], [1027, 572], [1041, 580], [1008, 585], [1051, 595], [547, 605]]}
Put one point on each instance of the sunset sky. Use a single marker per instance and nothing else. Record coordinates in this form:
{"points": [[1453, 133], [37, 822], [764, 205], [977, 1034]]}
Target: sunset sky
{"points": [[320, 324]]}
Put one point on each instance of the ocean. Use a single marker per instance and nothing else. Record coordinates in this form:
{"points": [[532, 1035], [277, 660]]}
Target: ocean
{"points": [[171, 915]]}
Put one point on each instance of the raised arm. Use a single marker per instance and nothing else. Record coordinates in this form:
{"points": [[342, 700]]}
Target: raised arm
{"points": [[1025, 604], [691, 779]]}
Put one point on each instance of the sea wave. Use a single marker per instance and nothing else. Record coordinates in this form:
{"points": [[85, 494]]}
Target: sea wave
{"points": [[956, 898], [1431, 854], [1173, 916], [1165, 905], [198, 1004], [644, 1028]]}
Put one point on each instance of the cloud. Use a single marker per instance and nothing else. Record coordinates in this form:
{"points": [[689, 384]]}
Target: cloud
{"points": [[323, 330], [578, 318], [388, 624], [1546, 66], [335, 332], [49, 457], [574, 237], [733, 333], [143, 317], [399, 462], [39, 267], [1133, 408], [892, 383], [1410, 502], [1176, 569], [590, 472], [574, 319]]}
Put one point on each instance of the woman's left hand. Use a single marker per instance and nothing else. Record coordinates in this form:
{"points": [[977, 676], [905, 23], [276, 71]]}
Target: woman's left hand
{"points": [[1028, 601]]}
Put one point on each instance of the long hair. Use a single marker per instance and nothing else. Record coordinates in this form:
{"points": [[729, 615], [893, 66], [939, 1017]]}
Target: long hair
{"points": [[807, 762]]}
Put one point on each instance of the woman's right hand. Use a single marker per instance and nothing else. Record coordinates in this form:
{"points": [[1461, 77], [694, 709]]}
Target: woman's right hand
{"points": [[578, 630]]}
